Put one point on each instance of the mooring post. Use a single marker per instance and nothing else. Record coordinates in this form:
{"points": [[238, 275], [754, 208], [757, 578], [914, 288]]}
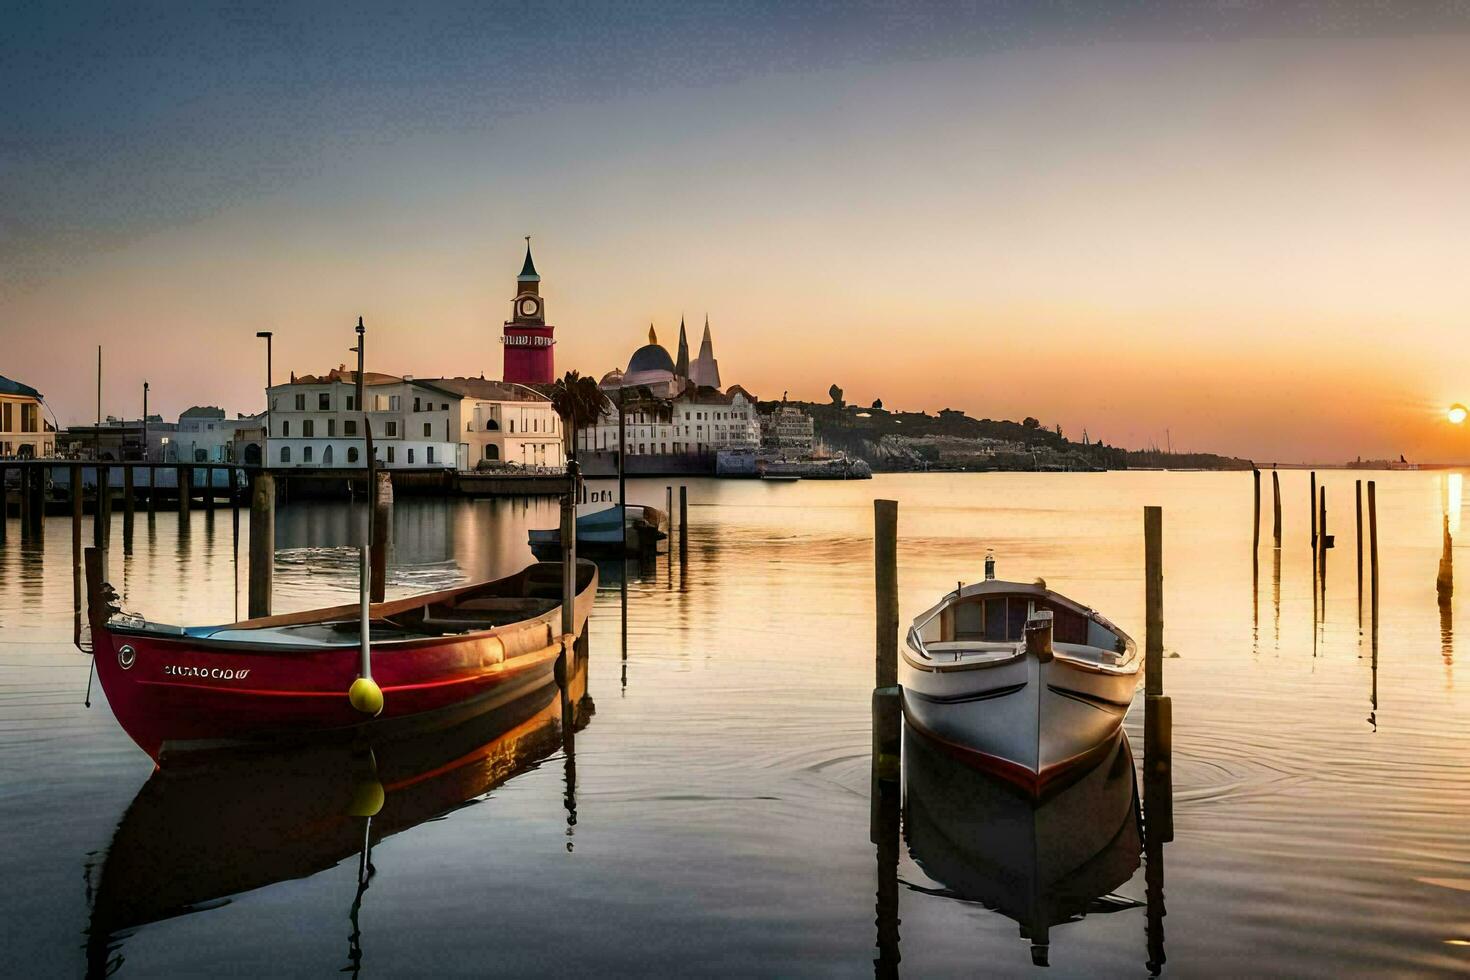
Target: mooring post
{"points": [[683, 526], [569, 563], [1358, 496], [669, 508], [262, 543], [1322, 537], [209, 488], [76, 511], [185, 481], [127, 509], [1373, 545], [1444, 582], [1153, 592], [4, 503], [152, 487], [1312, 508], [102, 516], [887, 700], [1276, 508], [382, 532], [1256, 513]]}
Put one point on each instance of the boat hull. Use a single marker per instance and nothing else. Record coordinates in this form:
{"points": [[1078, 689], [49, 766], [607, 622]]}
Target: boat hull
{"points": [[180, 696], [1028, 721]]}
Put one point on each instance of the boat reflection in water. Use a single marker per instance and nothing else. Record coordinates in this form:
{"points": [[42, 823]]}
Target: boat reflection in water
{"points": [[291, 815], [1042, 862]]}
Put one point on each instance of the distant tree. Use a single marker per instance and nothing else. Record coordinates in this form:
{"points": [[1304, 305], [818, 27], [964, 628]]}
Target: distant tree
{"points": [[579, 403], [1059, 430], [836, 395], [878, 403], [1031, 423]]}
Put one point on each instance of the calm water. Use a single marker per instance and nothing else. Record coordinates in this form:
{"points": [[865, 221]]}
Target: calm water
{"points": [[713, 815]]}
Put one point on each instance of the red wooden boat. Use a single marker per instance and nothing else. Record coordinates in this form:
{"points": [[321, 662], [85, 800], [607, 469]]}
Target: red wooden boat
{"points": [[438, 658]]}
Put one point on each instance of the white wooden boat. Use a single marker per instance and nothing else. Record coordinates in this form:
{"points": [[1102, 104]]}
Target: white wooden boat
{"points": [[1018, 680]]}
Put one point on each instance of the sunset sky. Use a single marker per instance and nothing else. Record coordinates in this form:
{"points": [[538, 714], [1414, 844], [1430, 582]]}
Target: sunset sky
{"points": [[1246, 227]]}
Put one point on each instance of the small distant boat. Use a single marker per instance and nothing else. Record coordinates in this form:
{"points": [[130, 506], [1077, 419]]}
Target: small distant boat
{"points": [[438, 658], [1018, 680], [599, 532]]}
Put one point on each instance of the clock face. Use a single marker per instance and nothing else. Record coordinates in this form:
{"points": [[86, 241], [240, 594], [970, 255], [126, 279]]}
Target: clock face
{"points": [[529, 307]]}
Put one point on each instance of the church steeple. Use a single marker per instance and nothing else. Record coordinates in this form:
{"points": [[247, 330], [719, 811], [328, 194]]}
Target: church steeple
{"points": [[681, 364]]}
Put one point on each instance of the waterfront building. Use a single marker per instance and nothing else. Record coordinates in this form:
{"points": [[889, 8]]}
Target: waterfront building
{"points": [[667, 414], [499, 423], [526, 336], [205, 435], [787, 427], [120, 439], [24, 433], [315, 422]]}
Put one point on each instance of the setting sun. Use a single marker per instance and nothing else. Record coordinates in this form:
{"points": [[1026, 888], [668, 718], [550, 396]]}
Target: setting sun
{"points": [[1458, 413]]}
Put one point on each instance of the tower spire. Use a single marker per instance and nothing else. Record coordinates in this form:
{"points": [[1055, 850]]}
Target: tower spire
{"points": [[681, 363], [528, 269], [652, 337]]}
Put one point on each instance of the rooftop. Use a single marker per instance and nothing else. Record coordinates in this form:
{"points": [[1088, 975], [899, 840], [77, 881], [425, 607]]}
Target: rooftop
{"points": [[497, 391], [8, 387]]}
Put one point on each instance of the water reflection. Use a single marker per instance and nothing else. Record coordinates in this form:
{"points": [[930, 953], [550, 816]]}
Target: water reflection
{"points": [[1042, 863], [193, 838]]}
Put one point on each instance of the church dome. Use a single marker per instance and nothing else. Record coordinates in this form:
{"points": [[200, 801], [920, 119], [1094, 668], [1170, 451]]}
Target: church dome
{"points": [[650, 357]]}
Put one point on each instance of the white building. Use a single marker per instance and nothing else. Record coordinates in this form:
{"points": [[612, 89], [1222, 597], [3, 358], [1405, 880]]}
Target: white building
{"points": [[691, 423], [505, 423], [23, 432], [315, 422], [205, 435]]}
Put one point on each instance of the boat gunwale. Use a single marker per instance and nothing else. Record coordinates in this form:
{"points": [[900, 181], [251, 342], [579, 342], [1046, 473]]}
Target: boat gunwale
{"points": [[1129, 664]]}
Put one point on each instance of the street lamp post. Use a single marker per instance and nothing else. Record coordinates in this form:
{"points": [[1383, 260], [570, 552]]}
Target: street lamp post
{"points": [[265, 449], [145, 421]]}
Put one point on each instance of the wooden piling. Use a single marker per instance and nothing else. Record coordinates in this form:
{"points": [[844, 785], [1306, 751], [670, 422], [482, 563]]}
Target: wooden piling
{"points": [[1256, 513], [1373, 545], [4, 503], [382, 532], [669, 506], [1358, 497], [1312, 509], [76, 512], [262, 543], [209, 488], [185, 482], [887, 707], [1276, 508], [1322, 536], [683, 526], [885, 565], [1153, 591], [152, 488], [102, 515], [1444, 581], [127, 510]]}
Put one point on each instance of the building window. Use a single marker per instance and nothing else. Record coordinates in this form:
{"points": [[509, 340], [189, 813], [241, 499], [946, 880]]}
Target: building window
{"points": [[285, 428], [428, 429], [306, 454], [7, 418], [492, 452], [444, 407], [308, 429], [351, 403], [390, 454], [390, 429], [430, 453], [393, 403], [416, 407], [300, 402], [324, 401], [285, 454], [349, 427], [327, 456], [351, 454], [410, 455], [512, 426], [331, 428]]}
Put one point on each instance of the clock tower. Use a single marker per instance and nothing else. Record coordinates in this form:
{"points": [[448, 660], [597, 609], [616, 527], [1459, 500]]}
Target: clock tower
{"points": [[527, 337]]}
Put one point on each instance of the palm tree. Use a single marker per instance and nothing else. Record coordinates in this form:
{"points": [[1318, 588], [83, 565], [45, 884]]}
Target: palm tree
{"points": [[578, 401]]}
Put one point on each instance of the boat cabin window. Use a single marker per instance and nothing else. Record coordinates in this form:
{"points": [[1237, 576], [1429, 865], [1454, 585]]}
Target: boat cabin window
{"points": [[1002, 619]]}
